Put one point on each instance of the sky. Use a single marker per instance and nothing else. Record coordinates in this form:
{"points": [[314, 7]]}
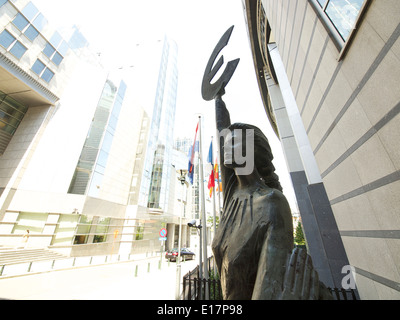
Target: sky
{"points": [[118, 28]]}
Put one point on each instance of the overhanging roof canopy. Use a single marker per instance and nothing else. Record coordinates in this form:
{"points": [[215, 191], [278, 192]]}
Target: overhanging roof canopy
{"points": [[22, 87]]}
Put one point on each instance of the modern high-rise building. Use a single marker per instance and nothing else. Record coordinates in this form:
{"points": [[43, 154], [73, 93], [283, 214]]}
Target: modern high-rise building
{"points": [[155, 177], [327, 71], [157, 171]]}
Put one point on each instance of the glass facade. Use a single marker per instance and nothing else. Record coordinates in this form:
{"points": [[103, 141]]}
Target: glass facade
{"points": [[65, 230], [11, 115], [154, 189], [92, 163], [32, 221]]}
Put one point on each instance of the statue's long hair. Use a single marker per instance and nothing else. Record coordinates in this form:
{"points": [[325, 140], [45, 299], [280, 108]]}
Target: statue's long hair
{"points": [[263, 155]]}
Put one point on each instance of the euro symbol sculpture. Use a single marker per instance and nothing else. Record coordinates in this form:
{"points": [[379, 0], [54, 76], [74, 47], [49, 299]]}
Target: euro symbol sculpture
{"points": [[210, 91]]}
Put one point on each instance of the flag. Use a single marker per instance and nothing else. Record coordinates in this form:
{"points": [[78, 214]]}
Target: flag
{"points": [[210, 154], [211, 178], [192, 152], [216, 174]]}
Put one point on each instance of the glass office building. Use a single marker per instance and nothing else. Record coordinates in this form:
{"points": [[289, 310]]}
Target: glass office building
{"points": [[154, 189], [93, 160]]}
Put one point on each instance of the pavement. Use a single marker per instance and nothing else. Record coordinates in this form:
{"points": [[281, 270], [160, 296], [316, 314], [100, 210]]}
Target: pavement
{"points": [[132, 280]]}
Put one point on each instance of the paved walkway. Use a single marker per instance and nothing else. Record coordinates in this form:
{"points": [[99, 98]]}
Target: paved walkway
{"points": [[115, 281]]}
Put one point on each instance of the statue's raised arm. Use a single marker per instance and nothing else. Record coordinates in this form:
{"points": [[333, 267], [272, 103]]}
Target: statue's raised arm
{"points": [[215, 91]]}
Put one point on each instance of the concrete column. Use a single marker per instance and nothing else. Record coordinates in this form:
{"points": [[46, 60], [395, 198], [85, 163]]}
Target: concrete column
{"points": [[169, 244], [184, 236], [324, 243]]}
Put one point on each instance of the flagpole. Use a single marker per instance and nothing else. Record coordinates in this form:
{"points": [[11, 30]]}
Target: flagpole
{"points": [[213, 195], [219, 169], [214, 215], [203, 213]]}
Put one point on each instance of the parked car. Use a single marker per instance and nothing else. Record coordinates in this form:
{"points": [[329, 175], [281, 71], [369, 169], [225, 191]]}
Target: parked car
{"points": [[185, 254]]}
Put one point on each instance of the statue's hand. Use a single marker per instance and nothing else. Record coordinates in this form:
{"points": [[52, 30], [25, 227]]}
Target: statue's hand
{"points": [[301, 280]]}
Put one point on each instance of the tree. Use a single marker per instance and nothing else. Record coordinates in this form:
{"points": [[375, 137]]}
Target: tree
{"points": [[299, 235], [210, 221]]}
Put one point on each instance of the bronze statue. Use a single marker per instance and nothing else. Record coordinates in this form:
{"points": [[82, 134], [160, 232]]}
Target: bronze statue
{"points": [[253, 245]]}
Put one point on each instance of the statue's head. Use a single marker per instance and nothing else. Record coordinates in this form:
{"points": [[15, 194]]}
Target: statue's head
{"points": [[246, 149]]}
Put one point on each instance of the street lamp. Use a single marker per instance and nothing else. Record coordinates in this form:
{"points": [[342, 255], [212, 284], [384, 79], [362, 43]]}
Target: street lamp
{"points": [[182, 178]]}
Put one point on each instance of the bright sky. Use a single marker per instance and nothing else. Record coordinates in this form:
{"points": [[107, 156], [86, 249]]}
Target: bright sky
{"points": [[115, 28]]}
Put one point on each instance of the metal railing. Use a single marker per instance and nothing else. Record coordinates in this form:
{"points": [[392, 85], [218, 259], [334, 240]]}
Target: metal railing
{"points": [[194, 287], [342, 294], [22, 268]]}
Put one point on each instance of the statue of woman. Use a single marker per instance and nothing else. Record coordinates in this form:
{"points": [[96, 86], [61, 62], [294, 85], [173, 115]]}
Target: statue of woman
{"points": [[253, 245]]}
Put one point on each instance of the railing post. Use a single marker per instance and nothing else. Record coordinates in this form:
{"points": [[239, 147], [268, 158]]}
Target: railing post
{"points": [[30, 266], [2, 269], [190, 289]]}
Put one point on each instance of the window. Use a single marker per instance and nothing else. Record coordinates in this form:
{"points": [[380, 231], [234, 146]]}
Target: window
{"points": [[55, 39], [30, 11], [38, 67], [41, 70], [47, 75], [63, 48], [57, 58], [340, 16], [18, 50], [83, 229], [52, 54], [32, 221], [11, 113], [2, 2], [20, 22], [343, 14], [101, 230], [6, 39], [31, 33], [40, 22], [49, 50]]}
